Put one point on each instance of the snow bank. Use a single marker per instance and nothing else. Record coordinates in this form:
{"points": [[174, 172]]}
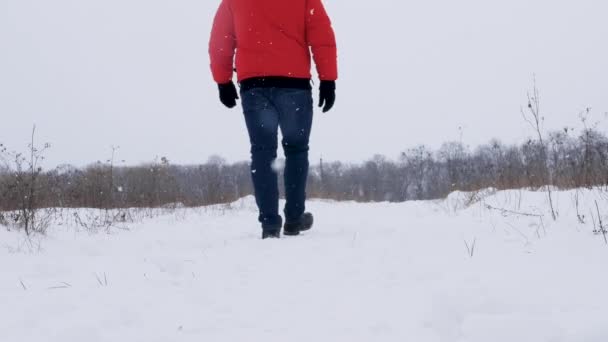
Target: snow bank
{"points": [[488, 267]]}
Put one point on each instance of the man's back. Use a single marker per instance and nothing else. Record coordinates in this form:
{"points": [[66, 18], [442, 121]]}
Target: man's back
{"points": [[272, 38]]}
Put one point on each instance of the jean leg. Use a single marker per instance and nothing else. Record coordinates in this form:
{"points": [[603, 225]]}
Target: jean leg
{"points": [[262, 121], [296, 114]]}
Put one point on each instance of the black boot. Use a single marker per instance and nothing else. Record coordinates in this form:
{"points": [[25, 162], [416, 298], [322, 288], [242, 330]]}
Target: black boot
{"points": [[271, 234], [294, 228], [272, 230]]}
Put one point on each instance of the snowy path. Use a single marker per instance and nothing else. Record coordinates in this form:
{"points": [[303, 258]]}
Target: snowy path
{"points": [[367, 272]]}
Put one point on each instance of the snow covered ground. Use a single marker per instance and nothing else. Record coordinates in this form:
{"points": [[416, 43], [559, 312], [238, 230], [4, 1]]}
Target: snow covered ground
{"points": [[367, 272]]}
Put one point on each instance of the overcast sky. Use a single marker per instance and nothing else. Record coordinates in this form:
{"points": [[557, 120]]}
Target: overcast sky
{"points": [[134, 73]]}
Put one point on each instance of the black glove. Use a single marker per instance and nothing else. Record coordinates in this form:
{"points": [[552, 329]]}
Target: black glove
{"points": [[327, 95], [228, 94]]}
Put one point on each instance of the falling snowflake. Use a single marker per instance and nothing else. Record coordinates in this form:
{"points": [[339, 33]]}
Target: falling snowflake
{"points": [[278, 165]]}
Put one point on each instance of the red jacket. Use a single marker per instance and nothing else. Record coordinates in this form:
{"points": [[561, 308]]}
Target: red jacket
{"points": [[272, 38]]}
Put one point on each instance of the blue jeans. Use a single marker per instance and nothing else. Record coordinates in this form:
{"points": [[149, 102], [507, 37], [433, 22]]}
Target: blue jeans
{"points": [[266, 110]]}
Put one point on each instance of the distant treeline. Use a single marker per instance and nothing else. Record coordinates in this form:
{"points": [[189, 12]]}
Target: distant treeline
{"points": [[564, 161]]}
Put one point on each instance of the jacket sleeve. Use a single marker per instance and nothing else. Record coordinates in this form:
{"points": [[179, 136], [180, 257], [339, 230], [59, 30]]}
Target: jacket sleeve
{"points": [[321, 38], [222, 44]]}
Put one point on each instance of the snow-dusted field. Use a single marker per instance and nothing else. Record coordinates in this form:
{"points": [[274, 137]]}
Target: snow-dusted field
{"points": [[367, 272]]}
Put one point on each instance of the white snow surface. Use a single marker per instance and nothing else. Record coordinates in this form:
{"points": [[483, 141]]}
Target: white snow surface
{"points": [[366, 272]]}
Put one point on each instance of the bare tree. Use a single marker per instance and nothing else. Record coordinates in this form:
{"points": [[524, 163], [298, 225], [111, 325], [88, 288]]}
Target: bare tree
{"points": [[556, 159], [534, 118], [24, 186]]}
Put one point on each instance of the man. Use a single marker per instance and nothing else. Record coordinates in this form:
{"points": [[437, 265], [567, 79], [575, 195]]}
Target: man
{"points": [[273, 40]]}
